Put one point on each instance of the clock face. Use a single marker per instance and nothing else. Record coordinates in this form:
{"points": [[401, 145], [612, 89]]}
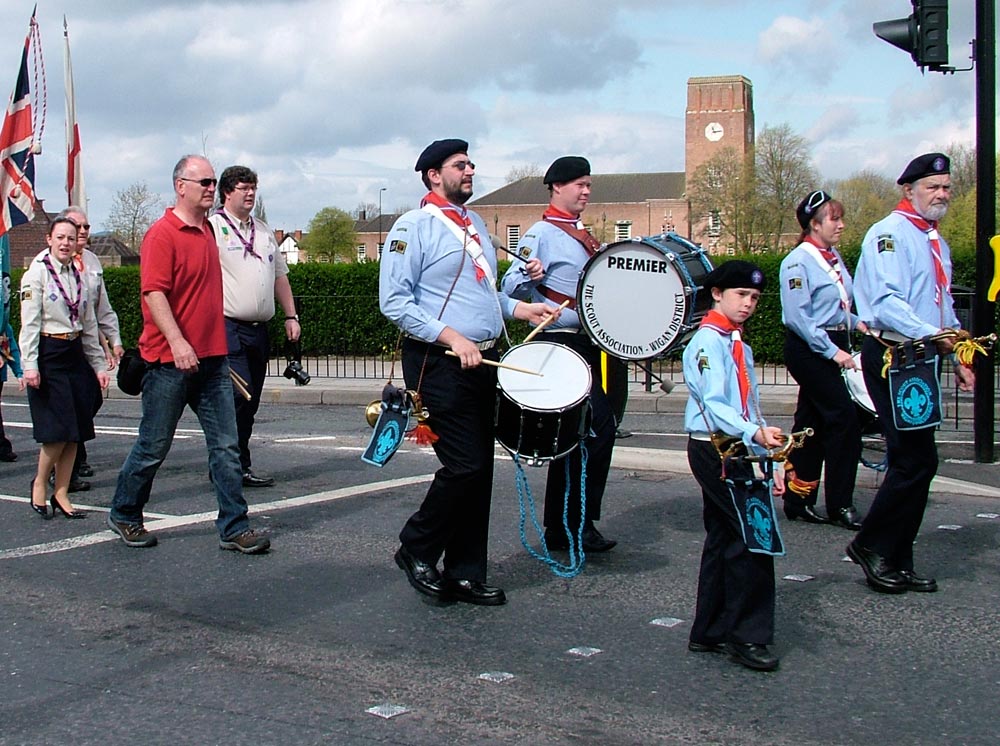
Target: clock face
{"points": [[713, 131]]}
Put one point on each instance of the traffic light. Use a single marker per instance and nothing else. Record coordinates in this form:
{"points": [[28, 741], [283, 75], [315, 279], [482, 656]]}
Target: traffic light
{"points": [[924, 34]]}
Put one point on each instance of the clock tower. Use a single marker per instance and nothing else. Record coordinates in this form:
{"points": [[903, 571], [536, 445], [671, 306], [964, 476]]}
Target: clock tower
{"points": [[719, 115]]}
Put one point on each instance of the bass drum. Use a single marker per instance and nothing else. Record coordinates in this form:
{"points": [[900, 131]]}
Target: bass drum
{"points": [[638, 299], [541, 418]]}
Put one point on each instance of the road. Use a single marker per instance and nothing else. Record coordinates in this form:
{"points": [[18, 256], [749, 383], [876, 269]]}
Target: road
{"points": [[185, 643]]}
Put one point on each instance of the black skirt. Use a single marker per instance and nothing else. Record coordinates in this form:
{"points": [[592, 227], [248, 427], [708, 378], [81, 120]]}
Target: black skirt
{"points": [[62, 408]]}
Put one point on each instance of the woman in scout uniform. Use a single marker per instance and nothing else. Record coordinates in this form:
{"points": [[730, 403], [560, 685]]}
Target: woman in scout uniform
{"points": [[735, 611], [63, 363], [816, 297]]}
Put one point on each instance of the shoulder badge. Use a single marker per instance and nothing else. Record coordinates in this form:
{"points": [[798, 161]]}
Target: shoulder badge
{"points": [[398, 247], [25, 294], [524, 252], [794, 283], [703, 361], [886, 243]]}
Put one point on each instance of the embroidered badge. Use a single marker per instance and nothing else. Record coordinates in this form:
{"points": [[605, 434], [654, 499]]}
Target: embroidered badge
{"points": [[703, 361], [524, 252], [886, 243], [26, 294], [399, 247], [225, 231], [794, 283]]}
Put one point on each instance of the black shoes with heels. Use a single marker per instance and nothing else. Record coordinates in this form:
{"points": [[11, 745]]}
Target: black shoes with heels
{"points": [[57, 508], [42, 510]]}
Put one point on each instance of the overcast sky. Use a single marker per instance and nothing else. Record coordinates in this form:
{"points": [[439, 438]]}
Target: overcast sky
{"points": [[331, 100]]}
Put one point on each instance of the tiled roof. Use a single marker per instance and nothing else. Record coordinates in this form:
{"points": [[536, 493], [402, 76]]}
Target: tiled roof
{"points": [[606, 189]]}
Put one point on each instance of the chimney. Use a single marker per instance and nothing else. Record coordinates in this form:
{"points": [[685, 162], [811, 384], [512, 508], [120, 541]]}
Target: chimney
{"points": [[298, 236], [279, 235], [362, 215]]}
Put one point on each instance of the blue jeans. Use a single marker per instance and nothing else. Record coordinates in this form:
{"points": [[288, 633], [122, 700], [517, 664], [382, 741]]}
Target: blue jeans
{"points": [[165, 392]]}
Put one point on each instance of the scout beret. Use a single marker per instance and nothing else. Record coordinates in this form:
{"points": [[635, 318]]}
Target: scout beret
{"points": [[928, 164], [735, 273], [435, 153], [567, 168], [808, 207]]}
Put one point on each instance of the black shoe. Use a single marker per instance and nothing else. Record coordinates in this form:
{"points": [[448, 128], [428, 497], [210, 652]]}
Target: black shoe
{"points": [[846, 518], [42, 510], [804, 513], [752, 655], [85, 470], [57, 508], [473, 592], [918, 584], [79, 485], [881, 575], [252, 480], [9, 457], [423, 577], [593, 540], [706, 647]]}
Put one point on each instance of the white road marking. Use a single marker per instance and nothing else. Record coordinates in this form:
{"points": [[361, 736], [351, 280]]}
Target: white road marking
{"points": [[168, 522], [305, 439]]}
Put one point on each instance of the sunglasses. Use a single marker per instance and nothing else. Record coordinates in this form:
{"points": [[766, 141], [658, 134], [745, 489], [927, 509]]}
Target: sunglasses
{"points": [[203, 182]]}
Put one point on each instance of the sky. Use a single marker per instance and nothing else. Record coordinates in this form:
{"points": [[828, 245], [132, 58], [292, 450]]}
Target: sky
{"points": [[331, 101]]}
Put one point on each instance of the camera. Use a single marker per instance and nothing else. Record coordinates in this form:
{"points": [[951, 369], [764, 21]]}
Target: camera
{"points": [[294, 370]]}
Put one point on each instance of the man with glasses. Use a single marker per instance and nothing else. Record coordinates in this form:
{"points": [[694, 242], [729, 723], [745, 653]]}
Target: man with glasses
{"points": [[254, 273], [92, 272], [903, 291], [183, 342], [437, 283]]}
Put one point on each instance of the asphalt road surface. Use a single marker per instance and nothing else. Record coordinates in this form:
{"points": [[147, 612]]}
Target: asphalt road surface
{"points": [[185, 643]]}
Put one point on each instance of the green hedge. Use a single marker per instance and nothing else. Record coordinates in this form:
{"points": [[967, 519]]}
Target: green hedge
{"points": [[338, 304]]}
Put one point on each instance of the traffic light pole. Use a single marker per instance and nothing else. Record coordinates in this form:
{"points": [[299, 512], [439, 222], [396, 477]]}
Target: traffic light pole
{"points": [[983, 318]]}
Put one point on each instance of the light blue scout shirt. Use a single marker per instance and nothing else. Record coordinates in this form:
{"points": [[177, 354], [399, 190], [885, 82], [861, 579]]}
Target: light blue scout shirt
{"points": [[419, 264], [896, 282], [810, 299], [562, 258], [711, 377]]}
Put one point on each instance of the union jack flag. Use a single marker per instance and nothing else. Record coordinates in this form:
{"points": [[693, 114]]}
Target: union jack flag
{"points": [[17, 163]]}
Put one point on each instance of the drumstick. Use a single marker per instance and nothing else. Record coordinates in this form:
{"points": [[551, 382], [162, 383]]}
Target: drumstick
{"points": [[545, 322], [501, 365], [237, 377], [513, 254], [239, 383]]}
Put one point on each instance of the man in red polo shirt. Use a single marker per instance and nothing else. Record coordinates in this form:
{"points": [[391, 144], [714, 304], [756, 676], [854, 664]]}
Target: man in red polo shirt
{"points": [[183, 342]]}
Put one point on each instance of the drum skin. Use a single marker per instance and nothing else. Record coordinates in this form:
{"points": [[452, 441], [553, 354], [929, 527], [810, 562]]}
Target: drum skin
{"points": [[541, 418], [639, 299]]}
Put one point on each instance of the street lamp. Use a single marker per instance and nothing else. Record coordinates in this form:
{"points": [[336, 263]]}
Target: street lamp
{"points": [[379, 219]]}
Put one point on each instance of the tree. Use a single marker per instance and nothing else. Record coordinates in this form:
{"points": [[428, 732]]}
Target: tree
{"points": [[723, 191], [784, 175], [963, 169], [365, 211], [331, 236], [867, 197], [259, 211], [524, 171], [133, 210]]}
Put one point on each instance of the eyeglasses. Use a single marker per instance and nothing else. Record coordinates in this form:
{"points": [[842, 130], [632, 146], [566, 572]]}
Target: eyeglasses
{"points": [[203, 182], [462, 165], [246, 188]]}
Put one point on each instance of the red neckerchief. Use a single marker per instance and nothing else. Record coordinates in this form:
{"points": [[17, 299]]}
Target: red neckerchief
{"points": [[716, 320], [78, 261], [826, 252], [459, 216], [905, 208], [572, 225]]}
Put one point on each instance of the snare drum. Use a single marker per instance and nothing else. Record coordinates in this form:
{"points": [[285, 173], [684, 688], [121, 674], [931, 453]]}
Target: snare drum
{"points": [[541, 418], [855, 380], [637, 299]]}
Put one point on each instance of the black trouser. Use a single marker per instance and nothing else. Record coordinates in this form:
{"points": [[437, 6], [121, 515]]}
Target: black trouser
{"points": [[735, 585], [248, 354], [5, 447], [599, 447], [894, 519], [454, 518], [825, 405]]}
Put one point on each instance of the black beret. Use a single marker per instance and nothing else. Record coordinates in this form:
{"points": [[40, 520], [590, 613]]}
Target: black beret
{"points": [[567, 168], [808, 207], [928, 164], [735, 273], [436, 153]]}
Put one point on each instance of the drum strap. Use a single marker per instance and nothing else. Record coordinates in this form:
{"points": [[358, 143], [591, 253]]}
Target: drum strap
{"points": [[589, 243], [556, 297]]}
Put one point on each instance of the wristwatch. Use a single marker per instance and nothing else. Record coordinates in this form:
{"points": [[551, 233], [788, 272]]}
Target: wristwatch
{"points": [[292, 318]]}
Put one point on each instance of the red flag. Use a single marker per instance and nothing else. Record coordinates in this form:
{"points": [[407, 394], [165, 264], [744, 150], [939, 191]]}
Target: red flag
{"points": [[74, 163], [17, 163]]}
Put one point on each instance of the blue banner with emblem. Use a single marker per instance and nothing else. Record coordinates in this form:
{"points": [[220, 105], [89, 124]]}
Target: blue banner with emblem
{"points": [[915, 385], [758, 520]]}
